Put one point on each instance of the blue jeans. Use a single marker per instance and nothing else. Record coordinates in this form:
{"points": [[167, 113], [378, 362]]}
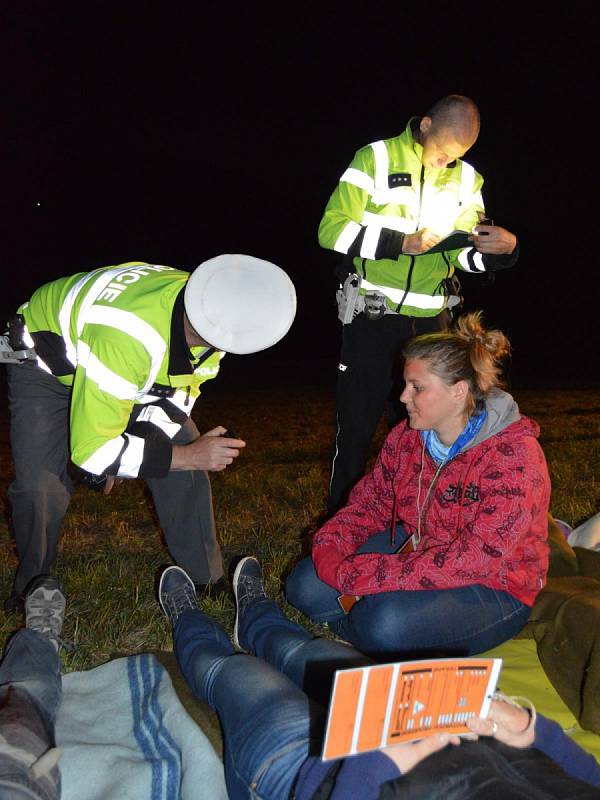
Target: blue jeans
{"points": [[30, 693], [409, 624], [270, 724]]}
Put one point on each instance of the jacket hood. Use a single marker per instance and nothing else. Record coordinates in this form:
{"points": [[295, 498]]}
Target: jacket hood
{"points": [[502, 411]]}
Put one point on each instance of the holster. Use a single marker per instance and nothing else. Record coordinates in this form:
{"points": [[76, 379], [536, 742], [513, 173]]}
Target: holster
{"points": [[16, 331], [454, 296], [347, 297], [13, 349]]}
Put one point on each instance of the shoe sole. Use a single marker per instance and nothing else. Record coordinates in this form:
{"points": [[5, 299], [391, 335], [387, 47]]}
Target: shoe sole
{"points": [[160, 586], [234, 586]]}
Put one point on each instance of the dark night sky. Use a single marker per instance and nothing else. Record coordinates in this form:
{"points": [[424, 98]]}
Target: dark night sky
{"points": [[171, 137]]}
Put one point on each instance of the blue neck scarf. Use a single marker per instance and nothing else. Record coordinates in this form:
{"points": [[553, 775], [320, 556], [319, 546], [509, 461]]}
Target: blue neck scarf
{"points": [[441, 452]]}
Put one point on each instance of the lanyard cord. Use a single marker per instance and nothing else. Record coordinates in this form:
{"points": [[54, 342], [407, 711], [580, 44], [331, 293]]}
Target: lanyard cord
{"points": [[417, 538]]}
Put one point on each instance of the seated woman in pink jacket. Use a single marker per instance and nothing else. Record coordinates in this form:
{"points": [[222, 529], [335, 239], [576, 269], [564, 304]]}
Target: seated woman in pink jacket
{"points": [[442, 548]]}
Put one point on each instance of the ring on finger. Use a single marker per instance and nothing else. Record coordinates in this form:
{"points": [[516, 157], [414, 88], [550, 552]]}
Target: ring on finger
{"points": [[494, 728]]}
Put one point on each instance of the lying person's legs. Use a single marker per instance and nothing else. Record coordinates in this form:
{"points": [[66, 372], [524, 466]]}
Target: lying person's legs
{"points": [[262, 628], [269, 726], [30, 693]]}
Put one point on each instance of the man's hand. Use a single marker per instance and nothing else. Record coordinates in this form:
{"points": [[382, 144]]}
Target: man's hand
{"points": [[408, 754], [507, 723], [211, 451], [416, 243], [111, 480], [493, 239]]}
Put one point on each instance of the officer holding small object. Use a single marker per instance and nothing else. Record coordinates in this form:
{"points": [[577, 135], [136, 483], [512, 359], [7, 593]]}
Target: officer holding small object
{"points": [[394, 217], [109, 365]]}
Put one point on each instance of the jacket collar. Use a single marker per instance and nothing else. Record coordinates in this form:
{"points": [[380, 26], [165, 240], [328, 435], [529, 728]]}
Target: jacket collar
{"points": [[409, 135], [180, 355]]}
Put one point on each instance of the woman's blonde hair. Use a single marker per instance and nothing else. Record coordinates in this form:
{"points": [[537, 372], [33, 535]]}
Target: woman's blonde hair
{"points": [[468, 353]]}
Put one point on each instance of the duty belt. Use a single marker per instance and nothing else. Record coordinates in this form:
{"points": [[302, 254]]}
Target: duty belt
{"points": [[351, 303]]}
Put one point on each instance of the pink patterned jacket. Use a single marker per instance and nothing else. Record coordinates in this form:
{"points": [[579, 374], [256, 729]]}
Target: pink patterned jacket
{"points": [[483, 518]]}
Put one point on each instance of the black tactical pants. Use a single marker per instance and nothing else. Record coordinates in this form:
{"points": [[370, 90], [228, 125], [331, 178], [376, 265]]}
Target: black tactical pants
{"points": [[366, 375]]}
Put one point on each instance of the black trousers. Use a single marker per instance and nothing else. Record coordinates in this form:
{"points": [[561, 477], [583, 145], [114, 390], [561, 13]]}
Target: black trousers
{"points": [[365, 379]]}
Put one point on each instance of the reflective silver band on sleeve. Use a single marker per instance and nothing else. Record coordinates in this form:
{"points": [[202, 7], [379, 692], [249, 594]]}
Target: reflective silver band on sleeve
{"points": [[401, 224], [132, 456], [370, 241], [157, 416], [104, 456], [346, 237], [471, 260]]}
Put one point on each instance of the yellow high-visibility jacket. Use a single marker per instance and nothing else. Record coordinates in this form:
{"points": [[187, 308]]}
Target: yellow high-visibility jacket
{"points": [[386, 192], [116, 337]]}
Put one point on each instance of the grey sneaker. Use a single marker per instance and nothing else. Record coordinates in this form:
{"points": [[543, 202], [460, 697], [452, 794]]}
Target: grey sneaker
{"points": [[45, 608], [248, 587], [176, 593]]}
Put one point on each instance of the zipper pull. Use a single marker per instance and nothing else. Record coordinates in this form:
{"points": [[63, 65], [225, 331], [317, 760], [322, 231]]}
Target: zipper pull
{"points": [[187, 397]]}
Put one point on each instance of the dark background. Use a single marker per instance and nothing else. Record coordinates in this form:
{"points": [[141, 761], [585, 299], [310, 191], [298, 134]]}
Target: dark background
{"points": [[171, 136]]}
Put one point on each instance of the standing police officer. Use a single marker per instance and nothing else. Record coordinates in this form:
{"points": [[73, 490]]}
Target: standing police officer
{"points": [[390, 217]]}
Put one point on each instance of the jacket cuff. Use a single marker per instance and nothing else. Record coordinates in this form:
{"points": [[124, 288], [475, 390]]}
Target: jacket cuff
{"points": [[494, 263], [158, 450], [389, 244]]}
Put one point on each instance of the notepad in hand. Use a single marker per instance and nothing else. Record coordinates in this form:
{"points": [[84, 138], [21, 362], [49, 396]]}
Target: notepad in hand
{"points": [[381, 705]]}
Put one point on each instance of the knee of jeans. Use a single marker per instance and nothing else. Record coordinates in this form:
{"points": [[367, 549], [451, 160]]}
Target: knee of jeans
{"points": [[381, 625], [301, 585]]}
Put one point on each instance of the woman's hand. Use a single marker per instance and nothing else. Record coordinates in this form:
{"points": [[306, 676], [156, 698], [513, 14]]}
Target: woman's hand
{"points": [[507, 723], [408, 754]]}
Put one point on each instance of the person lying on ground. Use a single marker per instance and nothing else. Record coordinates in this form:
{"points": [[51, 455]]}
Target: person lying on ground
{"points": [[271, 706], [30, 694]]}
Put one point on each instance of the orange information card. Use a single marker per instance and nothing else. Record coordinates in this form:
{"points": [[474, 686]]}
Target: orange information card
{"points": [[380, 705]]}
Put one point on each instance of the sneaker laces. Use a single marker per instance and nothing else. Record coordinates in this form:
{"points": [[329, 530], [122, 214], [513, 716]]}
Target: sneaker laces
{"points": [[180, 599], [47, 619], [250, 588]]}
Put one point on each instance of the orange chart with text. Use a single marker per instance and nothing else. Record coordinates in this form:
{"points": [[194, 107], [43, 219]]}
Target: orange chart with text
{"points": [[384, 704]]}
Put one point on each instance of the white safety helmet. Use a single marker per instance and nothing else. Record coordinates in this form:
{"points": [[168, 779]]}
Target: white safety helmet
{"points": [[240, 304]]}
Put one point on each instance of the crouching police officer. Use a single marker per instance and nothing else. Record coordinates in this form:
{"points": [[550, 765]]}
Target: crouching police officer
{"points": [[107, 368]]}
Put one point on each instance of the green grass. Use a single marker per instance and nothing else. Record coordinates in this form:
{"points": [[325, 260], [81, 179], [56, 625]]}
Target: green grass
{"points": [[267, 504]]}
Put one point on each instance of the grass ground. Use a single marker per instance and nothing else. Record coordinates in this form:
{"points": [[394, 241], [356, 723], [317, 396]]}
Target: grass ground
{"points": [[266, 504]]}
